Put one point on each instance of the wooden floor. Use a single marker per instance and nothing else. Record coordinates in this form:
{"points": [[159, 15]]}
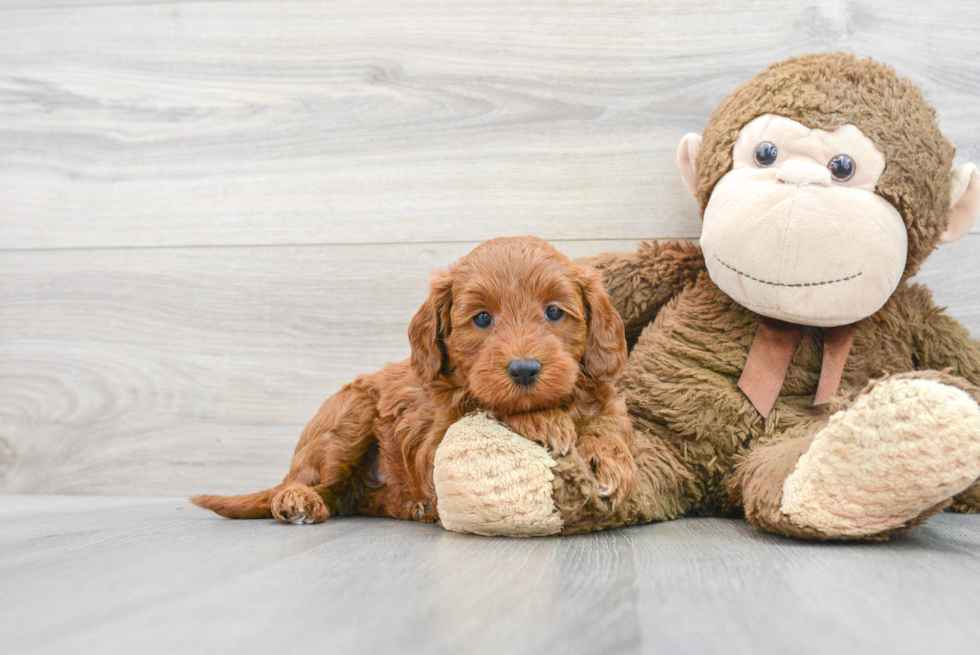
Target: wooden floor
{"points": [[128, 575]]}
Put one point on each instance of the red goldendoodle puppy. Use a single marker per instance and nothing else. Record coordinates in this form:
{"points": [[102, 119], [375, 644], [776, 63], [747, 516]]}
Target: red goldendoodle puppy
{"points": [[514, 329]]}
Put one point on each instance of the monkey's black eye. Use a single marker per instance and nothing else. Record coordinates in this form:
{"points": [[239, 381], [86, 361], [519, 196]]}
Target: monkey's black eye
{"points": [[553, 313], [766, 153], [842, 168], [483, 320]]}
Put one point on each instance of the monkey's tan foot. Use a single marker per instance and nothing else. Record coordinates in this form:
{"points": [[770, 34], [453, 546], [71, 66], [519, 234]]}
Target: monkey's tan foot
{"points": [[492, 481], [298, 503], [905, 447]]}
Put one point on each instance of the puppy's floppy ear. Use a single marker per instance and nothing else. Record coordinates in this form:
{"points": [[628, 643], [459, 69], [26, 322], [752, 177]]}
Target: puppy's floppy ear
{"points": [[429, 329], [605, 344]]}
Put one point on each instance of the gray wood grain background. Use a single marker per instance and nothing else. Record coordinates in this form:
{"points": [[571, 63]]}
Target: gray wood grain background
{"points": [[154, 575], [213, 214]]}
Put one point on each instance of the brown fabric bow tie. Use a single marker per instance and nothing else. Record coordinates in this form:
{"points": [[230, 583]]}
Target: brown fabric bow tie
{"points": [[772, 349]]}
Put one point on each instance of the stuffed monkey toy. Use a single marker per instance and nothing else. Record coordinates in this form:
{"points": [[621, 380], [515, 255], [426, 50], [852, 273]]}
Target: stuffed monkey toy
{"points": [[785, 370]]}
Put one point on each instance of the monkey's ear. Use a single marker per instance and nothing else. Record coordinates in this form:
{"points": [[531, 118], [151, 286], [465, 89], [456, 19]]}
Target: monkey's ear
{"points": [[687, 157], [964, 202], [430, 326]]}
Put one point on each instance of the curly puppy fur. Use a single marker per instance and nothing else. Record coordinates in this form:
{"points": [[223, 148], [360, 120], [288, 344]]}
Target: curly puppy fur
{"points": [[371, 447]]}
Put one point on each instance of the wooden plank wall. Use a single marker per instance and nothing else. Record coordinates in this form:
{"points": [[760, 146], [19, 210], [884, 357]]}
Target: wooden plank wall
{"points": [[213, 214]]}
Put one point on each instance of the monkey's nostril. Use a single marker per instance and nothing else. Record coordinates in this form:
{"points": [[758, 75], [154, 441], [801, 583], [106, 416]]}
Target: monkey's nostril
{"points": [[524, 371]]}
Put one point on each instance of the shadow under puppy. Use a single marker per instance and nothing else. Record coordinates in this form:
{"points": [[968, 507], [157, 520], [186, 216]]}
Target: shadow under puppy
{"points": [[513, 329]]}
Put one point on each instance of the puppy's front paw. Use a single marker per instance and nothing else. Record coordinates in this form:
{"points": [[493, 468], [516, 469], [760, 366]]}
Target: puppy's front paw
{"points": [[552, 429], [613, 466], [299, 503]]}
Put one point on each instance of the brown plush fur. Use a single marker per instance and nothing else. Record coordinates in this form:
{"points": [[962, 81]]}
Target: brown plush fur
{"points": [[370, 449], [702, 447]]}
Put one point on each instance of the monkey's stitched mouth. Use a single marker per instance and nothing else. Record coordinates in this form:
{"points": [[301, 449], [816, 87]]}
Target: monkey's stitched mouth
{"points": [[782, 284]]}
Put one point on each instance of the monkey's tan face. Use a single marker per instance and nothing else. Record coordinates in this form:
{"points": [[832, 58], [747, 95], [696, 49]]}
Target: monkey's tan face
{"points": [[795, 230]]}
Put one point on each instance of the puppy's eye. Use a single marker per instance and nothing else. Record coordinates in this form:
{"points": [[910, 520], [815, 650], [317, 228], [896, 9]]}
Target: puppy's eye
{"points": [[766, 153], [483, 320], [553, 313], [842, 167]]}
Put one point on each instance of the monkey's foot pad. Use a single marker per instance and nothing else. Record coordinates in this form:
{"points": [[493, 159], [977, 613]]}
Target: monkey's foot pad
{"points": [[904, 447], [491, 481]]}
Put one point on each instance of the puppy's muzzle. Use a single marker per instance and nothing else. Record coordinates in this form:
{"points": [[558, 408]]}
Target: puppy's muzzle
{"points": [[524, 371]]}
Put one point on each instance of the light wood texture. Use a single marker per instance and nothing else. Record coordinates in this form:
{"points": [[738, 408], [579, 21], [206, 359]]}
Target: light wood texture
{"points": [[193, 370], [226, 123], [216, 213], [85, 575]]}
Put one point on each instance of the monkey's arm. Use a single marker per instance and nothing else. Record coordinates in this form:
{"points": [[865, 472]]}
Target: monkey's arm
{"points": [[942, 342], [640, 283]]}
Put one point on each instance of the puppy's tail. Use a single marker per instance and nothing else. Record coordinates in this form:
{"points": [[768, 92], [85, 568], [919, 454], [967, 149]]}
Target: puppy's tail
{"points": [[247, 506]]}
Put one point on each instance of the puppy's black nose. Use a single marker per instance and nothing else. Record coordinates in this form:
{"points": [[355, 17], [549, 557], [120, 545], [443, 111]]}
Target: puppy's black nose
{"points": [[524, 371]]}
